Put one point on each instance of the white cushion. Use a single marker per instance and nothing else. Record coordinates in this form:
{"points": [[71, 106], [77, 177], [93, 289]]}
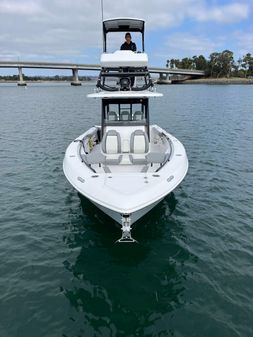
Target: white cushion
{"points": [[111, 145], [139, 144]]}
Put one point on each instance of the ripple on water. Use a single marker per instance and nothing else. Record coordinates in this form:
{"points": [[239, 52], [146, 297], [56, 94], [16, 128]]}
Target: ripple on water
{"points": [[191, 273]]}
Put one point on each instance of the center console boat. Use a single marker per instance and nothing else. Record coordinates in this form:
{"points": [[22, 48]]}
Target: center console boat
{"points": [[125, 165]]}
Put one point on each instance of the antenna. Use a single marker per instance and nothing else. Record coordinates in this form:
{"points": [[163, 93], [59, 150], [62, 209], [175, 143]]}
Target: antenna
{"points": [[102, 17], [102, 10]]}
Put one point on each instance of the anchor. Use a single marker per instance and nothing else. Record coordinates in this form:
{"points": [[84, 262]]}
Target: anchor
{"points": [[126, 230]]}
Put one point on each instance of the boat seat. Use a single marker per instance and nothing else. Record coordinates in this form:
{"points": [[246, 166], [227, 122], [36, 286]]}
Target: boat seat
{"points": [[138, 147], [138, 116], [139, 142], [112, 116], [111, 146], [125, 116], [111, 142]]}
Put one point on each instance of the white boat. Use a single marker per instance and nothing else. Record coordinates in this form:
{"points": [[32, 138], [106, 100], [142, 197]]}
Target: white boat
{"points": [[125, 166]]}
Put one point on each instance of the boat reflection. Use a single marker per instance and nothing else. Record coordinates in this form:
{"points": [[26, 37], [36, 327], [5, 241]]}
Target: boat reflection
{"points": [[124, 289]]}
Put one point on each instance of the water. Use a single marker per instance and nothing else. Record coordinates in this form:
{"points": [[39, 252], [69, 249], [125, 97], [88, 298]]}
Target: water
{"points": [[60, 272]]}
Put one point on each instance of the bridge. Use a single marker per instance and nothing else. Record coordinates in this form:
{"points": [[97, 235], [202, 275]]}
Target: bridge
{"points": [[94, 67]]}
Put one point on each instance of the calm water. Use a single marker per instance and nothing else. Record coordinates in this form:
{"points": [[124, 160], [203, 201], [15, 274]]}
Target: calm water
{"points": [[60, 272]]}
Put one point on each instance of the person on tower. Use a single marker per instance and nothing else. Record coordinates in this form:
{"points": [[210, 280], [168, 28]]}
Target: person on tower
{"points": [[128, 44]]}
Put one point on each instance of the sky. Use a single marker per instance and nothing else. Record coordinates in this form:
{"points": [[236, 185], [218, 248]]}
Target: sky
{"points": [[70, 31]]}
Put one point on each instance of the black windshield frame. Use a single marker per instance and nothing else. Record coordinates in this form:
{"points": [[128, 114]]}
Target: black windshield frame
{"points": [[106, 103]]}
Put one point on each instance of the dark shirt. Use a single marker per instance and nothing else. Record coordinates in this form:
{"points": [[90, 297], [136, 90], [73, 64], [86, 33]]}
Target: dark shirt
{"points": [[130, 46]]}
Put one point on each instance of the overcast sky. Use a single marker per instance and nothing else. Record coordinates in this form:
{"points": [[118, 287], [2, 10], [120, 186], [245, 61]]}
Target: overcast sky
{"points": [[70, 31]]}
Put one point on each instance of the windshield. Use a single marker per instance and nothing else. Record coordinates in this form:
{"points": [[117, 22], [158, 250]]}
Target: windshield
{"points": [[115, 40], [125, 112]]}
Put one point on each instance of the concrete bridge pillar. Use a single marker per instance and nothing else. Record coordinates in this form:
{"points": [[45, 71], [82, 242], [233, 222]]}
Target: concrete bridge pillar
{"points": [[21, 81], [75, 80], [164, 78]]}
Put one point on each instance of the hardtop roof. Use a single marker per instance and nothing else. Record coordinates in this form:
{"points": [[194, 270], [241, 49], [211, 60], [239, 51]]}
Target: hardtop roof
{"points": [[123, 25]]}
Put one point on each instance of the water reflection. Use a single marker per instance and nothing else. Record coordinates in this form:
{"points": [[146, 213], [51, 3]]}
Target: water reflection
{"points": [[123, 290]]}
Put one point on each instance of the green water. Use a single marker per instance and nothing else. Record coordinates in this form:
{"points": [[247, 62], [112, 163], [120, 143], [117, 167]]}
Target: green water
{"points": [[191, 275]]}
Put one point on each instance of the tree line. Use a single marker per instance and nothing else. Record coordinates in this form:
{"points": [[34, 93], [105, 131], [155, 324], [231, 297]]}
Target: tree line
{"points": [[217, 65]]}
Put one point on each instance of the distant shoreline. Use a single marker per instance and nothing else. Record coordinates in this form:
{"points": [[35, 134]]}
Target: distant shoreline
{"points": [[45, 81], [232, 80]]}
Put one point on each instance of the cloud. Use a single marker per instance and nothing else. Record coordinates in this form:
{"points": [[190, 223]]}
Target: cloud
{"points": [[157, 13], [244, 42], [19, 8], [60, 29], [231, 13], [164, 13], [191, 44]]}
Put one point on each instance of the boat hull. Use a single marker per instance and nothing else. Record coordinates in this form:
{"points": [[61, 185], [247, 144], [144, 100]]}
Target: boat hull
{"points": [[134, 216], [127, 193]]}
